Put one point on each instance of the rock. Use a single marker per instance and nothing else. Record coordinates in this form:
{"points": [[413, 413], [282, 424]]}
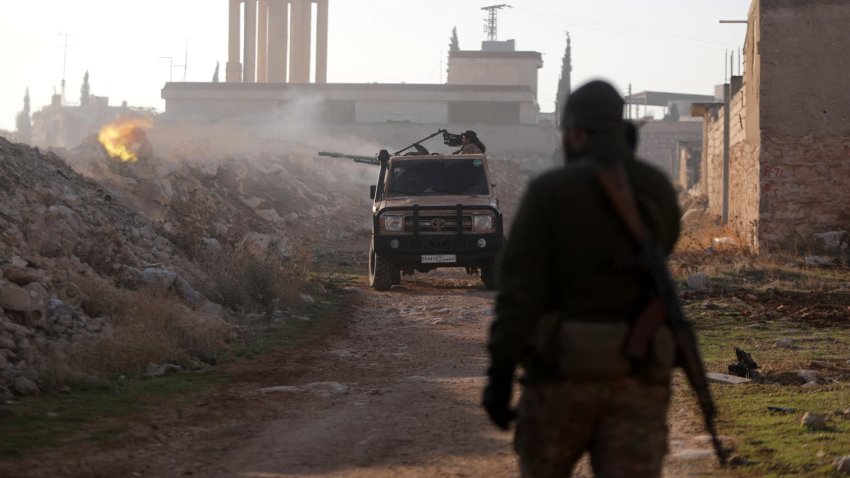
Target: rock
{"points": [[821, 261], [698, 282], [3, 362], [6, 394], [160, 370], [14, 297], [808, 375], [813, 421], [22, 275], [26, 387], [253, 202], [265, 246], [307, 298], [833, 242], [842, 464], [726, 378], [269, 215], [784, 343], [186, 292], [159, 280]]}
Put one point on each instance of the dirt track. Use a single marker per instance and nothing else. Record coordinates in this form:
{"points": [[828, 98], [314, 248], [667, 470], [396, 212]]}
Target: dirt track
{"points": [[390, 388]]}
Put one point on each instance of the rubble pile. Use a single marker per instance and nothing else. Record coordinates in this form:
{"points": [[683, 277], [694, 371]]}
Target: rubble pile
{"points": [[58, 228], [158, 226]]}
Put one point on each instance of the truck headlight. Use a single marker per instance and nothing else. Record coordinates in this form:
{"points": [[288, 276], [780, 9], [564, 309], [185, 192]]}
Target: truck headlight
{"points": [[393, 223], [482, 223]]}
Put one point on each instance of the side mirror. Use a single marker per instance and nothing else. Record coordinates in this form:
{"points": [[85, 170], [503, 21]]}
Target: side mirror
{"points": [[373, 189]]}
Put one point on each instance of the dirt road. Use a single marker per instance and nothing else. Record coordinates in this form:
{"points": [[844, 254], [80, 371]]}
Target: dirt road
{"points": [[390, 389]]}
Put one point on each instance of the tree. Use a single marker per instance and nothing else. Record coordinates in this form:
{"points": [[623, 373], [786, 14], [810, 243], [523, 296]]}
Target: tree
{"points": [[672, 113], [454, 44], [565, 82], [85, 91], [23, 122]]}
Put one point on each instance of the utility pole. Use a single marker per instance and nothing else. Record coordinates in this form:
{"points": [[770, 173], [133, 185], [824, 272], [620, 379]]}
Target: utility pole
{"points": [[491, 24], [65, 46]]}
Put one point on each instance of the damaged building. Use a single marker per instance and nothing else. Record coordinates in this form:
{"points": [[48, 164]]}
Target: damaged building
{"points": [[776, 153]]}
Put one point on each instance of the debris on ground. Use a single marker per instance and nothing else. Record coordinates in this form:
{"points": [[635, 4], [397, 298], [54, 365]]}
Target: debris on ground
{"points": [[726, 378], [745, 366], [781, 409], [842, 465]]}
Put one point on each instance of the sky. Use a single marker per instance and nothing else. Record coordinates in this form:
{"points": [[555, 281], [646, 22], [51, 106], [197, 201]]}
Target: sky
{"points": [[131, 49]]}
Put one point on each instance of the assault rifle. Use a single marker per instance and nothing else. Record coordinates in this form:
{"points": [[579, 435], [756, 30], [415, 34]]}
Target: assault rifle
{"points": [[666, 308]]}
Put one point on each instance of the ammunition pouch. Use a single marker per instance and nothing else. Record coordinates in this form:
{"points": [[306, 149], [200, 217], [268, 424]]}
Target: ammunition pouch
{"points": [[589, 351]]}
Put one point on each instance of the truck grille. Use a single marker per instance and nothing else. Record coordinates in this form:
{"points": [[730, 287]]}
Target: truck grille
{"points": [[438, 224]]}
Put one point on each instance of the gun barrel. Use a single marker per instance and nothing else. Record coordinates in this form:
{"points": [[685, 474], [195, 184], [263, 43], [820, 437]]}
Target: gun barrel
{"points": [[355, 157]]}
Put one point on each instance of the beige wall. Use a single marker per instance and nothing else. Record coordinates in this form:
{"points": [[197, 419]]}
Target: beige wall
{"points": [[659, 142], [494, 71], [804, 119]]}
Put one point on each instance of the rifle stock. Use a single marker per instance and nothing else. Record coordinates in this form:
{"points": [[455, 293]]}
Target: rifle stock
{"points": [[617, 189]]}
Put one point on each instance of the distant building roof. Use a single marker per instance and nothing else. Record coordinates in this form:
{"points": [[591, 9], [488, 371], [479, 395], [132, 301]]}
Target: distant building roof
{"points": [[663, 98], [534, 55]]}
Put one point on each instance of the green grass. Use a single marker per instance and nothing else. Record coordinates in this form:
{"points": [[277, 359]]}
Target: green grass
{"points": [[92, 414], [776, 444], [752, 308]]}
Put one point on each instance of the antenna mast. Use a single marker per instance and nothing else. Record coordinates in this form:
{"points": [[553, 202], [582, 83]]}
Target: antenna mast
{"points": [[491, 24]]}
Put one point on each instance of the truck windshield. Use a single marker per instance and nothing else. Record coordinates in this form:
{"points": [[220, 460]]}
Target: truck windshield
{"points": [[431, 177]]}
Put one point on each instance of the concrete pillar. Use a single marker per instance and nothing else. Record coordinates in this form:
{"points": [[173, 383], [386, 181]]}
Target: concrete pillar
{"points": [[263, 43], [234, 67], [278, 40], [299, 66], [250, 56], [322, 42]]}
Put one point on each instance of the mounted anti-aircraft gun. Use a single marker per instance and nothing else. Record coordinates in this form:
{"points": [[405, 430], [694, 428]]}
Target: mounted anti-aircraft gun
{"points": [[449, 139], [431, 211]]}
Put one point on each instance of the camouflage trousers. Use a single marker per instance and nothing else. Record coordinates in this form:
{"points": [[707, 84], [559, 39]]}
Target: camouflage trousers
{"points": [[621, 423]]}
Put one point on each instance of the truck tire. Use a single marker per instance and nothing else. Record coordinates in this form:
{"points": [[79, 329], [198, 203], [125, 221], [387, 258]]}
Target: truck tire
{"points": [[488, 276], [382, 272]]}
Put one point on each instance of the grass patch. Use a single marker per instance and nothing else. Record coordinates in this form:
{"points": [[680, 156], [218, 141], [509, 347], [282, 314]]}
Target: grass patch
{"points": [[753, 304], [267, 332], [93, 414], [774, 443]]}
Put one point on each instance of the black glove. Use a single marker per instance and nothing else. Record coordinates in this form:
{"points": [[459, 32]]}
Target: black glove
{"points": [[497, 395]]}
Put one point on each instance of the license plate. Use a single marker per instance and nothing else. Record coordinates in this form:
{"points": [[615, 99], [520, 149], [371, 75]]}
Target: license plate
{"points": [[439, 259]]}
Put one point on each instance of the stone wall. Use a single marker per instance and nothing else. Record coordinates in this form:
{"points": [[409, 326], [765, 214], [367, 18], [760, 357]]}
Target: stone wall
{"points": [[659, 142], [712, 150], [804, 119]]}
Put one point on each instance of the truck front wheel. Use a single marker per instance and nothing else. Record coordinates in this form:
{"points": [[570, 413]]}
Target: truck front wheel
{"points": [[488, 276], [382, 272]]}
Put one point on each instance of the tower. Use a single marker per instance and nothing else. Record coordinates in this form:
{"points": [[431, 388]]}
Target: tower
{"points": [[276, 38]]}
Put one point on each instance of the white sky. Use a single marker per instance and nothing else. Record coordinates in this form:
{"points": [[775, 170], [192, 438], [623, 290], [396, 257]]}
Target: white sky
{"points": [[668, 45]]}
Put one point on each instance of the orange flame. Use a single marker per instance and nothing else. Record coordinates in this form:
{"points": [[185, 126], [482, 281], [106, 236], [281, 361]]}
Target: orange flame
{"points": [[122, 139]]}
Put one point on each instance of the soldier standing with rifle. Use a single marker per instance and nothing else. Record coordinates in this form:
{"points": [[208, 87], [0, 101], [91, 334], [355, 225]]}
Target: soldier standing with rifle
{"points": [[588, 309]]}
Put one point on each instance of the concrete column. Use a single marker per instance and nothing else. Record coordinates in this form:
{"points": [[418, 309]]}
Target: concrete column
{"points": [[299, 67], [250, 56], [322, 42], [234, 67], [278, 40], [263, 43]]}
